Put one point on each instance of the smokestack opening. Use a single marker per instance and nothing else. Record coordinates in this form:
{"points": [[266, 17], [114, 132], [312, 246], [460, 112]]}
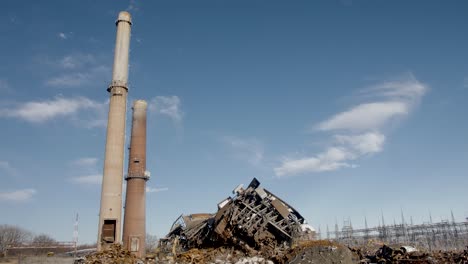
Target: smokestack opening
{"points": [[108, 230], [134, 244]]}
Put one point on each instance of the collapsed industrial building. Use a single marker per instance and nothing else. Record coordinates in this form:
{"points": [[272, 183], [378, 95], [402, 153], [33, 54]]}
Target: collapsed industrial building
{"points": [[253, 220]]}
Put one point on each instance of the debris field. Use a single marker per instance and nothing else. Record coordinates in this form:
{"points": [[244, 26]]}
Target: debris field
{"points": [[254, 221], [254, 226]]}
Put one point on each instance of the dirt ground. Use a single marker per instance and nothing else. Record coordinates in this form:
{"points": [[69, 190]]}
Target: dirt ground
{"points": [[37, 260]]}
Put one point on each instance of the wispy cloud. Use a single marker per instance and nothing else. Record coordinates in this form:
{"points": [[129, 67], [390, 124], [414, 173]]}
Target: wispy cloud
{"points": [[86, 168], [332, 159], [75, 79], [156, 190], [62, 35], [87, 161], [76, 61], [133, 6], [78, 70], [84, 111], [41, 111], [6, 167], [367, 143], [167, 105], [93, 179], [14, 19], [365, 116], [357, 132], [250, 150], [4, 86], [392, 99], [18, 195]]}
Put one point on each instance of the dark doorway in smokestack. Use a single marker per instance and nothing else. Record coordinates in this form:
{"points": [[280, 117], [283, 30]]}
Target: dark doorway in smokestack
{"points": [[108, 230]]}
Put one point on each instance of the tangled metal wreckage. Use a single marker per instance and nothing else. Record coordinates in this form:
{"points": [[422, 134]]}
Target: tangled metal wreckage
{"points": [[253, 220]]}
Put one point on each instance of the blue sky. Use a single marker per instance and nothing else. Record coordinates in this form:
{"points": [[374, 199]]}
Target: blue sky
{"points": [[345, 109]]}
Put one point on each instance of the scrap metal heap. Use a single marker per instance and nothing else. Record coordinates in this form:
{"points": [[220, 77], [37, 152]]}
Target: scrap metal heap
{"points": [[253, 220]]}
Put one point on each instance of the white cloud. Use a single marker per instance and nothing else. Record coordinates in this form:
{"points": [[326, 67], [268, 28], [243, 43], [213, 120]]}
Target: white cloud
{"points": [[359, 127], [407, 89], [371, 142], [77, 70], [156, 190], [18, 195], [393, 99], [76, 61], [41, 111], [88, 179], [332, 159], [365, 116], [250, 150], [167, 105], [62, 35], [79, 78], [69, 80], [85, 162]]}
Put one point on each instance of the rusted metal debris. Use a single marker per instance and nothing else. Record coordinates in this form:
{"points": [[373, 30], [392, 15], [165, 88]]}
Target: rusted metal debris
{"points": [[253, 220]]}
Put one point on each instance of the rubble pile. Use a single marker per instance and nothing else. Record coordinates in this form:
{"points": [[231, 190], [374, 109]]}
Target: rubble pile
{"points": [[323, 252], [318, 251], [218, 255], [254, 221], [115, 254], [387, 254]]}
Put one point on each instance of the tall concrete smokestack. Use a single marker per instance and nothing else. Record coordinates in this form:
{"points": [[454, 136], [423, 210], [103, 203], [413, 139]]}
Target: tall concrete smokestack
{"points": [[134, 229], [110, 216]]}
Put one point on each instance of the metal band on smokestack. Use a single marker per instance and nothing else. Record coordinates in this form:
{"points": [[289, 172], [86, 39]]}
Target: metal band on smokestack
{"points": [[110, 215], [134, 229]]}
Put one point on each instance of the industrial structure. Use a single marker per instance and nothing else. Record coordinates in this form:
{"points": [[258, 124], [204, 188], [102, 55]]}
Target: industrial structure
{"points": [[443, 235], [254, 219], [134, 225], [111, 195]]}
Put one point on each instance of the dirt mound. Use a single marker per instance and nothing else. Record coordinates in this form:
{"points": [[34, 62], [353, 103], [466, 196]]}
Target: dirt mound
{"points": [[319, 251], [115, 254]]}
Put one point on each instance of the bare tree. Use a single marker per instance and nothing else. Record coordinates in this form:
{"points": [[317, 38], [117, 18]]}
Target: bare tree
{"points": [[12, 236], [151, 243], [43, 239]]}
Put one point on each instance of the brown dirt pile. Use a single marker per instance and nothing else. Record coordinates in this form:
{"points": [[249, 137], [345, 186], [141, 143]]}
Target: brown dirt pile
{"points": [[115, 254]]}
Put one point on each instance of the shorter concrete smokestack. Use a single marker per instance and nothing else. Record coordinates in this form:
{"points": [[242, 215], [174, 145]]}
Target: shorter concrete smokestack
{"points": [[134, 228]]}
